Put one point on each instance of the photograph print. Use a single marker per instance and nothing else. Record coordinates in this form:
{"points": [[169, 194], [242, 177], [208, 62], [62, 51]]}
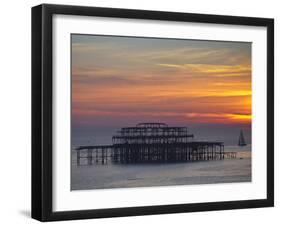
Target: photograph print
{"points": [[159, 112]]}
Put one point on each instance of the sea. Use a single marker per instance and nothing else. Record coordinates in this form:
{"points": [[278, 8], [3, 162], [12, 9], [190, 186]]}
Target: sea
{"points": [[108, 176]]}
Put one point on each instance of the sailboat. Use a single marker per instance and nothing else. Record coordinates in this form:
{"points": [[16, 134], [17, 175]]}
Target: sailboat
{"points": [[241, 141]]}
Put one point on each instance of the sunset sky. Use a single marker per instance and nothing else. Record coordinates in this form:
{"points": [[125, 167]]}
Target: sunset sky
{"points": [[121, 81]]}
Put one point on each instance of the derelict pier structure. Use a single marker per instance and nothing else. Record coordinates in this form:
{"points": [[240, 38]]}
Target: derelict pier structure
{"points": [[153, 143]]}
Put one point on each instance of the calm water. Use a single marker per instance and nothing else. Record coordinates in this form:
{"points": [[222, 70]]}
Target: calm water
{"points": [[145, 175]]}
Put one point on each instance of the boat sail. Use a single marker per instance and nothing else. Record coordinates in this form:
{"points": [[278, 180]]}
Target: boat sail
{"points": [[241, 141]]}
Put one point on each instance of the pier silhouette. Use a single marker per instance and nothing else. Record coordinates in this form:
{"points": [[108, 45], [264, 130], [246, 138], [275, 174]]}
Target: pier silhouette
{"points": [[153, 143]]}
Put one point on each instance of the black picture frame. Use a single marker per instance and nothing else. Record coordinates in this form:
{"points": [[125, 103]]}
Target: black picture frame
{"points": [[42, 106]]}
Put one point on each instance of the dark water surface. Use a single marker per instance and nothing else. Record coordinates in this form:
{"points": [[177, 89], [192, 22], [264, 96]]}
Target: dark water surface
{"points": [[99, 176]]}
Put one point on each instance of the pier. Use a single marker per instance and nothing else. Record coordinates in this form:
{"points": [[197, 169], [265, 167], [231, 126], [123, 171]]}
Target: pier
{"points": [[94, 154], [153, 143]]}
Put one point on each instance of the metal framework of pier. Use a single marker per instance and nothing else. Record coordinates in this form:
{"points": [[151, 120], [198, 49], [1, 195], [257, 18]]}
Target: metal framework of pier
{"points": [[153, 142]]}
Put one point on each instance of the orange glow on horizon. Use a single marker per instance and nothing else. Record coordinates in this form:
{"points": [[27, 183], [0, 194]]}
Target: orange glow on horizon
{"points": [[192, 84]]}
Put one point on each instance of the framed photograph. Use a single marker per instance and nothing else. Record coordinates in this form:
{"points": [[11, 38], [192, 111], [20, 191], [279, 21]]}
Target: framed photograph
{"points": [[145, 112]]}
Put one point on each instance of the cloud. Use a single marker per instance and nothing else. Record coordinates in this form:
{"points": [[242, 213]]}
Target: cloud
{"points": [[213, 70], [118, 78]]}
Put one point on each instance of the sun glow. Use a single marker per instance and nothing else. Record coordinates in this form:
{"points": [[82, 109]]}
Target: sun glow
{"points": [[182, 81]]}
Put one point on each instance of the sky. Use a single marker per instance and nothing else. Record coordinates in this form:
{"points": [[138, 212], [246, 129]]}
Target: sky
{"points": [[121, 81]]}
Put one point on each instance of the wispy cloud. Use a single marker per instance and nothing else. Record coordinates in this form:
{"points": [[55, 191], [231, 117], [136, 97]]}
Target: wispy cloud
{"points": [[141, 79]]}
